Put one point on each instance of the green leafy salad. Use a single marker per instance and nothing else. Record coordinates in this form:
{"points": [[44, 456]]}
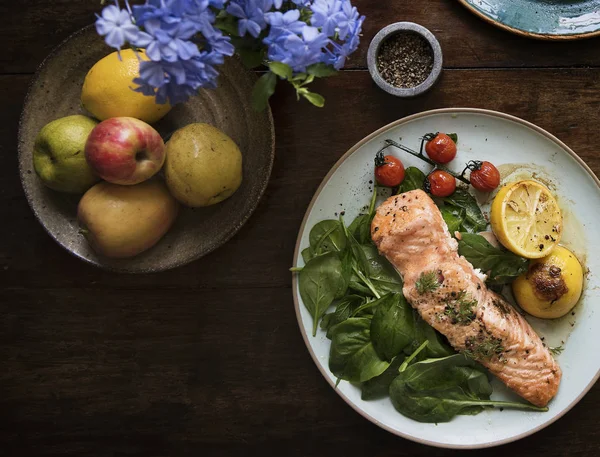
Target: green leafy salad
{"points": [[378, 341]]}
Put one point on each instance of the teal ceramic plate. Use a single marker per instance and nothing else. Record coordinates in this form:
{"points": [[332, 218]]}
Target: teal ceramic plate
{"points": [[543, 19]]}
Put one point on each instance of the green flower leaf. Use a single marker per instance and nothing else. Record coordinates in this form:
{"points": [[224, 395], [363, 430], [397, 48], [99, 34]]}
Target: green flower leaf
{"points": [[281, 69], [300, 77], [308, 80], [315, 99], [321, 70], [227, 23], [263, 89], [251, 58]]}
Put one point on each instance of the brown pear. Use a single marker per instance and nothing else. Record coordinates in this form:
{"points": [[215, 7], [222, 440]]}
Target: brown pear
{"points": [[123, 221]]}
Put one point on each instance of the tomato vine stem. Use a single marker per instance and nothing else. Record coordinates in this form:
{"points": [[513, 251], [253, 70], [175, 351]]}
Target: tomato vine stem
{"points": [[424, 158]]}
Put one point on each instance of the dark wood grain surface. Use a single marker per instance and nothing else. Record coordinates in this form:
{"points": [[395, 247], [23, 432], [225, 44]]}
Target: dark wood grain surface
{"points": [[207, 359]]}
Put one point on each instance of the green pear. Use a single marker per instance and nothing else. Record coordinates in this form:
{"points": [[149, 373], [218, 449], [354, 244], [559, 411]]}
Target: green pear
{"points": [[59, 157], [123, 221]]}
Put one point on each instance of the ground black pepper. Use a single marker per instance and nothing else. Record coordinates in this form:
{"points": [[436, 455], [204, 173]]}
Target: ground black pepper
{"points": [[405, 60]]}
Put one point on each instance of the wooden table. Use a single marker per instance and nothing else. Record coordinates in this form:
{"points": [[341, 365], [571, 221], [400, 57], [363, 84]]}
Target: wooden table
{"points": [[207, 359]]}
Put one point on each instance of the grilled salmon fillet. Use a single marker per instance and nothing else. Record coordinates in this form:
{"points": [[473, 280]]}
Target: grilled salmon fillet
{"points": [[451, 296]]}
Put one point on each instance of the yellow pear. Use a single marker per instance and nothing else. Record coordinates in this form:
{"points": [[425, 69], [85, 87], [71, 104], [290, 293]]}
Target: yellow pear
{"points": [[203, 165], [123, 221]]}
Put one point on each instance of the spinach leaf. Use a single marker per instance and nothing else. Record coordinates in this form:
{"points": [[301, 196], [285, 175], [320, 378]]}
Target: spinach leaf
{"points": [[454, 217], [384, 286], [473, 218], [368, 307], [379, 386], [357, 286], [361, 226], [343, 310], [413, 179], [392, 327], [352, 356], [372, 274], [502, 266], [358, 254], [436, 347], [382, 274], [327, 236], [346, 272], [326, 321], [436, 390], [307, 254], [319, 282], [360, 264]]}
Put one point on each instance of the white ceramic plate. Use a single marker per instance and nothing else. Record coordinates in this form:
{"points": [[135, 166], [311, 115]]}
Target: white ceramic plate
{"points": [[505, 141]]}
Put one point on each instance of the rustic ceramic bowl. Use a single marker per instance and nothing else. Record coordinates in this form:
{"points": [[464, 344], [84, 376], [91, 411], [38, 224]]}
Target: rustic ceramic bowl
{"points": [[55, 92], [404, 27]]}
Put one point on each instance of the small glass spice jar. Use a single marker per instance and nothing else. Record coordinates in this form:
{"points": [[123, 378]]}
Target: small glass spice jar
{"points": [[405, 59]]}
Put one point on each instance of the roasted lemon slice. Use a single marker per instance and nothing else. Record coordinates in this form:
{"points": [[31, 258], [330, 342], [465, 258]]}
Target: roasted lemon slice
{"points": [[526, 219]]}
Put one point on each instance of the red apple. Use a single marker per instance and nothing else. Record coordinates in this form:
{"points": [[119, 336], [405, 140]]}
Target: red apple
{"points": [[125, 150]]}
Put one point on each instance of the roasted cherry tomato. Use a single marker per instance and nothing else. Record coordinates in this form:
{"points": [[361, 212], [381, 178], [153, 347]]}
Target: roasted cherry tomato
{"points": [[441, 183], [484, 176], [389, 171], [440, 148]]}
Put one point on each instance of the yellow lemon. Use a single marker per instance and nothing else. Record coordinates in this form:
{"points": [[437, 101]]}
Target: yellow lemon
{"points": [[108, 90], [526, 219], [552, 285]]}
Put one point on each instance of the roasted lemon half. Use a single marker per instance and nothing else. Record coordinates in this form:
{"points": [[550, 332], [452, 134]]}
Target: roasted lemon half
{"points": [[526, 219], [552, 286]]}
